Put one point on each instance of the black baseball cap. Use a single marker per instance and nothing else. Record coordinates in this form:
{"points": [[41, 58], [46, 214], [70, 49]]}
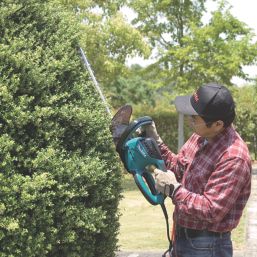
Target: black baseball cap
{"points": [[212, 101]]}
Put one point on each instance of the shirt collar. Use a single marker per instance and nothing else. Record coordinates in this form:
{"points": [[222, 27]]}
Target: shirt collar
{"points": [[225, 133], [202, 142]]}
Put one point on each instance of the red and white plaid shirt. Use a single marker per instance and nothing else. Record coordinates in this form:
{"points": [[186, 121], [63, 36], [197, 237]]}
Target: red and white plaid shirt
{"points": [[215, 178]]}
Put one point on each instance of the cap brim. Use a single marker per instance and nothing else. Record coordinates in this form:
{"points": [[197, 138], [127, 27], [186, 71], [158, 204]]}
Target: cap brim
{"points": [[183, 105]]}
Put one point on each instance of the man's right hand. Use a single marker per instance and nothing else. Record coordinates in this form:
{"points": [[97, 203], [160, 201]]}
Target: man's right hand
{"points": [[151, 131]]}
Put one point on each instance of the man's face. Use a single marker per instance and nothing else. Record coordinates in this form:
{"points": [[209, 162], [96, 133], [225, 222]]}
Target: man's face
{"points": [[200, 127]]}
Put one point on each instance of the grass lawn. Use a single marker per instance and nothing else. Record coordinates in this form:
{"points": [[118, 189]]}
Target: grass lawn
{"points": [[143, 225]]}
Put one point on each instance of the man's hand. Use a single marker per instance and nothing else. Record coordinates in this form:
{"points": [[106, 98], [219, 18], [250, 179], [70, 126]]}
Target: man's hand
{"points": [[166, 182], [151, 131]]}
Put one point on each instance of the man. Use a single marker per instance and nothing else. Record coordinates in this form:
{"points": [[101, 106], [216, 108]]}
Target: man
{"points": [[209, 180]]}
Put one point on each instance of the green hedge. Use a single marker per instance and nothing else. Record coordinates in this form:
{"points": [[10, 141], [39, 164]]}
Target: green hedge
{"points": [[59, 177]]}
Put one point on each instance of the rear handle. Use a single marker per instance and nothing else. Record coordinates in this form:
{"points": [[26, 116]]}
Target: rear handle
{"points": [[146, 185]]}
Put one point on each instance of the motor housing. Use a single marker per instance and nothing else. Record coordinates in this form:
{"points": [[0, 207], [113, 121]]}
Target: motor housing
{"points": [[137, 154]]}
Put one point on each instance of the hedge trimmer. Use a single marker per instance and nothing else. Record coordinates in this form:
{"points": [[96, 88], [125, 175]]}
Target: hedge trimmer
{"points": [[137, 153]]}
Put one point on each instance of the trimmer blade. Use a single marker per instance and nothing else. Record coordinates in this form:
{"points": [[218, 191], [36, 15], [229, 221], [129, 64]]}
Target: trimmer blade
{"points": [[120, 121]]}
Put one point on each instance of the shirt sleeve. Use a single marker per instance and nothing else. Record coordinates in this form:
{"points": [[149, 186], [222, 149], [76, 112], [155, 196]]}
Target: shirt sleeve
{"points": [[175, 162], [220, 193]]}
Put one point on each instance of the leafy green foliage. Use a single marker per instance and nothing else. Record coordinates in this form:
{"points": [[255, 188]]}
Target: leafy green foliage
{"points": [[108, 43], [215, 52], [165, 22], [189, 52], [246, 116], [59, 179], [107, 38], [133, 89]]}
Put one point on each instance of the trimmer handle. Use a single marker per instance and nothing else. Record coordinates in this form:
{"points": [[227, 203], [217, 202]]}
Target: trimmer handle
{"points": [[146, 184]]}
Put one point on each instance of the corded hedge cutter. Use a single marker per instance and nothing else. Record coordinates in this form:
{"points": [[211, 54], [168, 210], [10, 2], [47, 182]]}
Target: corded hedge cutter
{"points": [[137, 153]]}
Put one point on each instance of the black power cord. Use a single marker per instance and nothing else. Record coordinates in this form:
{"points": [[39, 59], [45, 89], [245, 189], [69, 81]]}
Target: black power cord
{"points": [[168, 230]]}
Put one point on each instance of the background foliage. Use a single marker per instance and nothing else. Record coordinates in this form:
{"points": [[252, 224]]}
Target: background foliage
{"points": [[189, 50], [107, 37], [246, 118], [59, 178], [134, 88]]}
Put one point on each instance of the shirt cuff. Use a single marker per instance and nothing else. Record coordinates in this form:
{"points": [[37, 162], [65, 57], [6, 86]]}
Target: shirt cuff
{"points": [[180, 195], [176, 188]]}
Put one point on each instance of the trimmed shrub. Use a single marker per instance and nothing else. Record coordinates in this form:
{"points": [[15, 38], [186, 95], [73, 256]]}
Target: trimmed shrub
{"points": [[59, 175]]}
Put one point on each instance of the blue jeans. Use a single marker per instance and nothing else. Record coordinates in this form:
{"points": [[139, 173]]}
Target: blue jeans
{"points": [[203, 246]]}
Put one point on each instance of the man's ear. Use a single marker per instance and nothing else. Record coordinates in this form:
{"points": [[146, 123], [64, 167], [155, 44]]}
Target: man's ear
{"points": [[219, 124]]}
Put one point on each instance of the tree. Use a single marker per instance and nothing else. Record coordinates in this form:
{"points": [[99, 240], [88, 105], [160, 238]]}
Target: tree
{"points": [[108, 39], [134, 89], [164, 24], [190, 52], [59, 177], [216, 51]]}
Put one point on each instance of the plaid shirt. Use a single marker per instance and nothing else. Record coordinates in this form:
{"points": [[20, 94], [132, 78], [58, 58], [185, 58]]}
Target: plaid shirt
{"points": [[215, 178]]}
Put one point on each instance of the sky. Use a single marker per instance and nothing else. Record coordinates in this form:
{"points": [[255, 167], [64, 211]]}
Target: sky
{"points": [[244, 10]]}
